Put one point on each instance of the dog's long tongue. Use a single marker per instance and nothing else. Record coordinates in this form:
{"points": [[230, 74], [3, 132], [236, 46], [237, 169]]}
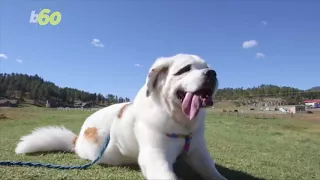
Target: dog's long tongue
{"points": [[191, 105]]}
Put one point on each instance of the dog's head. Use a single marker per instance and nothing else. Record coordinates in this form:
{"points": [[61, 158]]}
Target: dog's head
{"points": [[184, 83]]}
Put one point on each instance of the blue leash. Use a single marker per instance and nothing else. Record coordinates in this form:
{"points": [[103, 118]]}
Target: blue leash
{"points": [[37, 164]]}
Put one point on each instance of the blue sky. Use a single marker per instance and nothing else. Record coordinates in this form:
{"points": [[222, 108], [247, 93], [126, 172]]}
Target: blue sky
{"points": [[281, 39]]}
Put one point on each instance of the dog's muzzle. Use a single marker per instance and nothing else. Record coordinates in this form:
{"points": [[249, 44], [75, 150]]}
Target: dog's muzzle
{"points": [[207, 88], [203, 97], [210, 79]]}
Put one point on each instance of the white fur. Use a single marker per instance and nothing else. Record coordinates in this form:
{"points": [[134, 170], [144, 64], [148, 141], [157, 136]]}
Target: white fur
{"points": [[139, 136], [46, 139]]}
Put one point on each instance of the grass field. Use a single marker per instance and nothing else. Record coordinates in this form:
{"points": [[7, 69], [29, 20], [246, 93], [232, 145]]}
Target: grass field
{"points": [[243, 148]]}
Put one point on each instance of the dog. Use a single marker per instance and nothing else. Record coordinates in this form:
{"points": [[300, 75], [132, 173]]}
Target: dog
{"points": [[153, 130]]}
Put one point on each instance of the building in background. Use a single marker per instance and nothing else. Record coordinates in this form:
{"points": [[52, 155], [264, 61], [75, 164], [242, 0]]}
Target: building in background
{"points": [[9, 103], [297, 109], [314, 103]]}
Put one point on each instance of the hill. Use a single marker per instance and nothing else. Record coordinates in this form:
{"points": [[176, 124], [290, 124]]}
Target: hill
{"points": [[268, 93], [23, 86], [317, 88]]}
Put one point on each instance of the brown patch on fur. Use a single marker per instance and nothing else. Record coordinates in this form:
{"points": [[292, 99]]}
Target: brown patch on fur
{"points": [[122, 110], [91, 134], [74, 142], [164, 71]]}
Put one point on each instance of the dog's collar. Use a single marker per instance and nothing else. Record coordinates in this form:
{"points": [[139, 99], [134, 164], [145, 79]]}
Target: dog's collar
{"points": [[187, 139]]}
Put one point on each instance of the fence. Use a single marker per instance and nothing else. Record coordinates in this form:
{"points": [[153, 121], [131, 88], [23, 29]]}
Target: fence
{"points": [[77, 109]]}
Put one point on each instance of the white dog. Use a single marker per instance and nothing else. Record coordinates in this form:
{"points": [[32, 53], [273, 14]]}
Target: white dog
{"points": [[153, 130]]}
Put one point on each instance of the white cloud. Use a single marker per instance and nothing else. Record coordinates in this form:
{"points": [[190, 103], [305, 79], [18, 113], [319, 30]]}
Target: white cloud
{"points": [[260, 55], [249, 44], [264, 23], [138, 65], [19, 60], [3, 56], [97, 43]]}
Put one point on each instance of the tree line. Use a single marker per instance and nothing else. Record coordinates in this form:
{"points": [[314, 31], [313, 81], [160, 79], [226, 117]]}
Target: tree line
{"points": [[289, 94], [34, 87]]}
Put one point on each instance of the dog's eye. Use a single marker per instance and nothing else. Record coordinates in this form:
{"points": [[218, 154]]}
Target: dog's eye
{"points": [[183, 70]]}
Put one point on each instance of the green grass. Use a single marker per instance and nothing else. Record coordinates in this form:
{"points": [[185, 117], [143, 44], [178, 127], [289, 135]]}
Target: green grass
{"points": [[243, 148]]}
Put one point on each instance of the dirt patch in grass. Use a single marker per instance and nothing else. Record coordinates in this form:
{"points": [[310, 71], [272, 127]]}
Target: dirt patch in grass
{"points": [[3, 117], [17, 113]]}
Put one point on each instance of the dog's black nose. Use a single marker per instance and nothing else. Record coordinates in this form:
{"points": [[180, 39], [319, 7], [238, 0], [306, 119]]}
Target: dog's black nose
{"points": [[210, 74]]}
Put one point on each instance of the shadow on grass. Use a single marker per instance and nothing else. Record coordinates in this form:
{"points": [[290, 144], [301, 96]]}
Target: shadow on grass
{"points": [[185, 172], [235, 175], [132, 167]]}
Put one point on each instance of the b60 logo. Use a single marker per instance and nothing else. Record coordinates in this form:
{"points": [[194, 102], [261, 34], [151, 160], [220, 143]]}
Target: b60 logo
{"points": [[43, 18]]}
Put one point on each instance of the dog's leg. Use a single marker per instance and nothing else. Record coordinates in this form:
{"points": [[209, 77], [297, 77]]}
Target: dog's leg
{"points": [[112, 156], [201, 161], [155, 165], [155, 156]]}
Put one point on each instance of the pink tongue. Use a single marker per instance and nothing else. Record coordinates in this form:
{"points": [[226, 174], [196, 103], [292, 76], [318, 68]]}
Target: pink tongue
{"points": [[191, 105]]}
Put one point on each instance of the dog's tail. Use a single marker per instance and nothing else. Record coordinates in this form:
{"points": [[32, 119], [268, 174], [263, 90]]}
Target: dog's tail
{"points": [[45, 139]]}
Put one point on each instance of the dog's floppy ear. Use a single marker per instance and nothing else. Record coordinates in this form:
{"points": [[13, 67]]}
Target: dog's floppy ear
{"points": [[157, 74]]}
